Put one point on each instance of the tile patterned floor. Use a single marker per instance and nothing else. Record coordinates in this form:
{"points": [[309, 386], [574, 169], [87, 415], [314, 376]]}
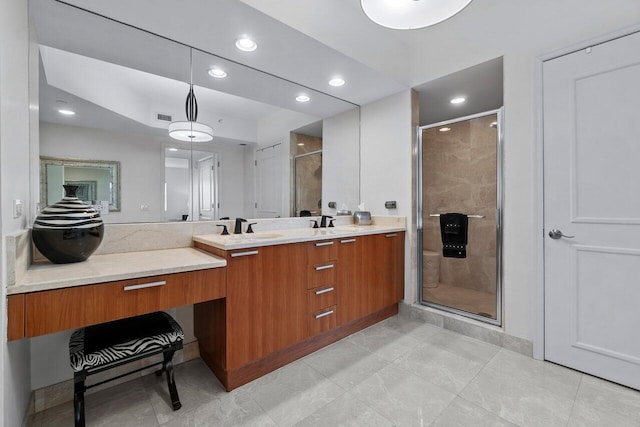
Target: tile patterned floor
{"points": [[397, 373]]}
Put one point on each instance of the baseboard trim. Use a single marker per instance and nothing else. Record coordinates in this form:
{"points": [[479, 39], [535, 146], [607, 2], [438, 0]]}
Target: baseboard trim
{"points": [[487, 333]]}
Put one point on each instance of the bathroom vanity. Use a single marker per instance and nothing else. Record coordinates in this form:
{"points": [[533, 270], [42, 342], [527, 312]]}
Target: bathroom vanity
{"points": [[56, 297], [293, 292], [261, 300]]}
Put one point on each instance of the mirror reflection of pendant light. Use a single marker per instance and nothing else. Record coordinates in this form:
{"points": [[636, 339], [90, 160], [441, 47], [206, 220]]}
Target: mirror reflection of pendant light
{"points": [[411, 14], [191, 130]]}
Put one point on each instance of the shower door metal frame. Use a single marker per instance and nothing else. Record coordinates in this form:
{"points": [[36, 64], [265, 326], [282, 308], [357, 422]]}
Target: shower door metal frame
{"points": [[499, 196]]}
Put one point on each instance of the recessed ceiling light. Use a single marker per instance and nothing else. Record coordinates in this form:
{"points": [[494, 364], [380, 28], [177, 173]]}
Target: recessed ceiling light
{"points": [[337, 81], [66, 112], [302, 98], [244, 43], [458, 100], [172, 149], [494, 124], [217, 73], [444, 129], [300, 144]]}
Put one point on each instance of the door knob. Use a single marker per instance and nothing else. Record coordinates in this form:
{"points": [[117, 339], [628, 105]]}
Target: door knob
{"points": [[556, 234]]}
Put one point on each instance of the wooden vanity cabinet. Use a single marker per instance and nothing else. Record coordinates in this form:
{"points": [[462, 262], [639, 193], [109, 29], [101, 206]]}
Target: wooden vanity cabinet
{"points": [[371, 274], [383, 269], [265, 309], [322, 309], [286, 301], [353, 296], [15, 317]]}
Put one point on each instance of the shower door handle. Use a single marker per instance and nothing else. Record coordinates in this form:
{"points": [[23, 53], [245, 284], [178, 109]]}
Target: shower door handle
{"points": [[556, 234]]}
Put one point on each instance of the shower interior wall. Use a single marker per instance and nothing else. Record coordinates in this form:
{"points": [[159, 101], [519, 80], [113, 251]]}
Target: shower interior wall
{"points": [[460, 175]]}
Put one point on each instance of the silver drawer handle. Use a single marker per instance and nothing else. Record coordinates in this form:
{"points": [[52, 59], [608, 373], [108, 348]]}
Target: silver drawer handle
{"points": [[324, 291], [348, 241], [391, 235], [326, 313], [324, 267], [145, 285], [237, 254], [324, 244]]}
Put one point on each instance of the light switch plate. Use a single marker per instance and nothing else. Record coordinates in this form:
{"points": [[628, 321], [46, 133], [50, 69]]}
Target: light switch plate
{"points": [[17, 208]]}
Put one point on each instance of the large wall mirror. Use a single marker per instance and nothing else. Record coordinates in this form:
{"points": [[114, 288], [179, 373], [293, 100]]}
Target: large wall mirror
{"points": [[108, 92]]}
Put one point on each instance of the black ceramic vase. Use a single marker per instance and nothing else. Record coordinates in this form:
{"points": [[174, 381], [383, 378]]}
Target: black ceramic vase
{"points": [[68, 231]]}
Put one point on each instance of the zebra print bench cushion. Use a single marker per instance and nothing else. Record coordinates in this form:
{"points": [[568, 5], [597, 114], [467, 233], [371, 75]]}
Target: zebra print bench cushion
{"points": [[112, 342]]}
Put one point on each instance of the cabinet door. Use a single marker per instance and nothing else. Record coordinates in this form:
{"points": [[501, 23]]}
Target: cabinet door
{"points": [[266, 301], [383, 269], [351, 292], [392, 278]]}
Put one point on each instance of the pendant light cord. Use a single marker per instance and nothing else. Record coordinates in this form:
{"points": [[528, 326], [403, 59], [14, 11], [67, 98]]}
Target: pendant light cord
{"points": [[191, 105]]}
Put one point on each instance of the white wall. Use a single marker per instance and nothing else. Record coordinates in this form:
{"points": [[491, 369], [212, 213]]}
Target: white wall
{"points": [[386, 153], [341, 161], [141, 166], [14, 184], [178, 189]]}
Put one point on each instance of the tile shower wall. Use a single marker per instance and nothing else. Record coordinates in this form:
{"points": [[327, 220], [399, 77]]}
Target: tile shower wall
{"points": [[308, 172], [459, 175]]}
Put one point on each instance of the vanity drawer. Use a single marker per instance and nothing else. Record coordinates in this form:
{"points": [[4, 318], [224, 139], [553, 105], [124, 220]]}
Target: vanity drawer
{"points": [[323, 320], [62, 309], [322, 274], [321, 251], [322, 297]]}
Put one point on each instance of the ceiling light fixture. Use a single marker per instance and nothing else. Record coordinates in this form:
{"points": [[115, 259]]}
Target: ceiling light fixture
{"points": [[493, 124], [458, 100], [300, 144], [66, 112], [217, 73], [337, 81], [411, 14], [191, 130], [302, 98], [172, 149], [245, 44], [444, 129]]}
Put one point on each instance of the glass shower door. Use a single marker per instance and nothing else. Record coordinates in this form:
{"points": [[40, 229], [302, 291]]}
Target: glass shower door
{"points": [[459, 164]]}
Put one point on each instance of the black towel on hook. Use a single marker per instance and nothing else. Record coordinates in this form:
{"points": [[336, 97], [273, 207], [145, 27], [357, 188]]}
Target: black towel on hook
{"points": [[453, 229]]}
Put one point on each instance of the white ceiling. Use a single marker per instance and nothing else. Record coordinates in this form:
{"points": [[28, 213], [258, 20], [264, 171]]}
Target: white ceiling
{"points": [[481, 85]]}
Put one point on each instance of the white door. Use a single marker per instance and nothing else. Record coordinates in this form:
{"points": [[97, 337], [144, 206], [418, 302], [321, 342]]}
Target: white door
{"points": [[592, 192], [206, 188], [269, 182]]}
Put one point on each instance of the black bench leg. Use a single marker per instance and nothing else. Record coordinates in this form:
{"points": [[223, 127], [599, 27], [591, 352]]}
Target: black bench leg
{"points": [[78, 398], [168, 368]]}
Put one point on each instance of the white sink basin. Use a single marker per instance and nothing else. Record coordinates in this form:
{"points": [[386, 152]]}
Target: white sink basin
{"points": [[262, 236]]}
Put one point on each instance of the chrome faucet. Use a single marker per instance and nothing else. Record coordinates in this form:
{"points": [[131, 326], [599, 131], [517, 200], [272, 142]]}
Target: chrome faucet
{"points": [[323, 221], [238, 228]]}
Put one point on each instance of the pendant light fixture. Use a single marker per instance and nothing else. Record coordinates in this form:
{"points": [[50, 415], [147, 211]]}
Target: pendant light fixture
{"points": [[411, 14], [191, 130]]}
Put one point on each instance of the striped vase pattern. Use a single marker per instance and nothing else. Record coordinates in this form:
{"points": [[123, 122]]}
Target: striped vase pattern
{"points": [[68, 231]]}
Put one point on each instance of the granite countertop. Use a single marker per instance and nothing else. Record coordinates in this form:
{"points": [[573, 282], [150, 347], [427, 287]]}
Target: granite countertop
{"points": [[120, 266], [296, 235]]}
